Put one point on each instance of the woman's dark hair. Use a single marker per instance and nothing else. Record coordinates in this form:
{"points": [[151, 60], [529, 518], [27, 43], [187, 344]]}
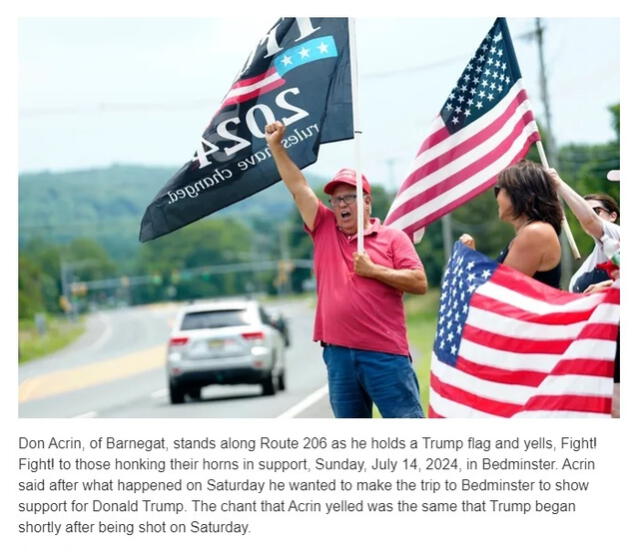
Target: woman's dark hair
{"points": [[609, 203], [531, 192]]}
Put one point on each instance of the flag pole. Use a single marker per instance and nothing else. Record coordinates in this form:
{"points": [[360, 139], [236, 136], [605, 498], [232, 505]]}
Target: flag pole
{"points": [[353, 62], [565, 224]]}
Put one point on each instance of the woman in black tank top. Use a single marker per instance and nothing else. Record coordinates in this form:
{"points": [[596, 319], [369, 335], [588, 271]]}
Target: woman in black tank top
{"points": [[527, 200], [550, 277]]}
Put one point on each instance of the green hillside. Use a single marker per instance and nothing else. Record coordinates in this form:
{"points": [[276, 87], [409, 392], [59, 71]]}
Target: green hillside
{"points": [[107, 204]]}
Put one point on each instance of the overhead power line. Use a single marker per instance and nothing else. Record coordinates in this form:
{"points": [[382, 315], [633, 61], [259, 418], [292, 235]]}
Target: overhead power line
{"points": [[105, 107]]}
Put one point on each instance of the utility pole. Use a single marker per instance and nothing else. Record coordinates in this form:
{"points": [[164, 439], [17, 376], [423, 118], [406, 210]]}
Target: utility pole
{"points": [[447, 236], [65, 268], [550, 143]]}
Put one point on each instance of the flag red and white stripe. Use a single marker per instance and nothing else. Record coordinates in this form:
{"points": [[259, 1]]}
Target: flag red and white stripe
{"points": [[452, 168], [485, 125], [253, 87], [529, 350]]}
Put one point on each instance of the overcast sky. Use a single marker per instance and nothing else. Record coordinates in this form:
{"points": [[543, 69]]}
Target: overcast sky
{"points": [[93, 92]]}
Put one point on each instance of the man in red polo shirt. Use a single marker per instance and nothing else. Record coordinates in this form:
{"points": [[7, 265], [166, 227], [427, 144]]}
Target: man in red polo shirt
{"points": [[360, 315]]}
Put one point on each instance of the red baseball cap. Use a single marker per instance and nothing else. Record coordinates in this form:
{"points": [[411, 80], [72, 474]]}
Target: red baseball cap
{"points": [[347, 176]]}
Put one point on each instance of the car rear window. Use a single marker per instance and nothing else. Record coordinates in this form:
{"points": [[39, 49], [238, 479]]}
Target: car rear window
{"points": [[214, 319]]}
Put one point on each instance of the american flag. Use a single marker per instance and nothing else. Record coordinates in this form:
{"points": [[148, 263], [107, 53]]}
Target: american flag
{"points": [[507, 345], [485, 125]]}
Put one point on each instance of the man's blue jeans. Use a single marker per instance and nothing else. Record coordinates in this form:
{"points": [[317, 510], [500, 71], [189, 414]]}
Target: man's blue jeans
{"points": [[358, 378]]}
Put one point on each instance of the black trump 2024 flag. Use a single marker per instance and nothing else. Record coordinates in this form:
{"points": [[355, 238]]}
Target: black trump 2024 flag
{"points": [[298, 73]]}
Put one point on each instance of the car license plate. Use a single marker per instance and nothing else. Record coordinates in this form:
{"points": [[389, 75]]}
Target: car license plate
{"points": [[217, 344]]}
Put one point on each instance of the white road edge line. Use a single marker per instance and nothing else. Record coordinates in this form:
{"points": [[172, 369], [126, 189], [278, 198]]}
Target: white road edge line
{"points": [[159, 393], [88, 415], [304, 404], [106, 333]]}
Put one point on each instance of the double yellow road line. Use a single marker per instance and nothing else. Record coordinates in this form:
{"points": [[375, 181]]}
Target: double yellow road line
{"points": [[84, 376]]}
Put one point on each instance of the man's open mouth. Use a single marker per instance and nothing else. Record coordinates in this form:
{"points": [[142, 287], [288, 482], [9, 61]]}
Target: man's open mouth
{"points": [[344, 214]]}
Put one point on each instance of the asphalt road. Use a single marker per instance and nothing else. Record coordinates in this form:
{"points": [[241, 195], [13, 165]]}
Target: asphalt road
{"points": [[116, 369]]}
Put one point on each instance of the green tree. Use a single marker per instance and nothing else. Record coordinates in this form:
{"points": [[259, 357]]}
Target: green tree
{"points": [[88, 259], [30, 299], [202, 244], [615, 119], [46, 257]]}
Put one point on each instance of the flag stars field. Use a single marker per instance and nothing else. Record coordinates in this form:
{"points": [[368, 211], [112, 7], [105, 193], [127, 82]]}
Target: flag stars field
{"points": [[482, 64], [516, 347]]}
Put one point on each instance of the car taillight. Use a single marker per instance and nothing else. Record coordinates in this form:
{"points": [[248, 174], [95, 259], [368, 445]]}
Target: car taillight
{"points": [[178, 341], [253, 336]]}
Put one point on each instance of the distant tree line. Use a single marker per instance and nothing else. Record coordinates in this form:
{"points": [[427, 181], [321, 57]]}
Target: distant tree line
{"points": [[176, 264], [48, 270]]}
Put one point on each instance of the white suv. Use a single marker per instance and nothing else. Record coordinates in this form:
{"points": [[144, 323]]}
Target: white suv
{"points": [[225, 342]]}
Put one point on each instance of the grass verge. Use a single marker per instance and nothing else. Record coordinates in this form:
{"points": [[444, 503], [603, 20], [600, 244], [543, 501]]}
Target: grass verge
{"points": [[422, 313], [59, 333]]}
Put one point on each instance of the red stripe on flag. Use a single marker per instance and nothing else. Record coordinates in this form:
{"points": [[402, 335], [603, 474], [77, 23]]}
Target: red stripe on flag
{"points": [[409, 229], [455, 179], [493, 374], [517, 281], [435, 138], [493, 305], [433, 415], [515, 345], [590, 404], [529, 345], [253, 80], [253, 94], [514, 280], [584, 367], [497, 408], [424, 221], [472, 142], [597, 331]]}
